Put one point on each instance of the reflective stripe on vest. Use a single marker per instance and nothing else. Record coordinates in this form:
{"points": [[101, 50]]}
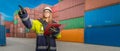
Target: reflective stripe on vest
{"points": [[40, 34], [45, 47], [25, 19]]}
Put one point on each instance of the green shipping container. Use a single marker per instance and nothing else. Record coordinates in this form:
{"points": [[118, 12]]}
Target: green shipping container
{"points": [[73, 23], [15, 21]]}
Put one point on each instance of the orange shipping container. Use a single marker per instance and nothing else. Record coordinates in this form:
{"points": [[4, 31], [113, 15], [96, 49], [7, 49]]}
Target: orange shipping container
{"points": [[73, 35], [94, 4]]}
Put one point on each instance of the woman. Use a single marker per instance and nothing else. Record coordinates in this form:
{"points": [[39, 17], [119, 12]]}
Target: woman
{"points": [[43, 42]]}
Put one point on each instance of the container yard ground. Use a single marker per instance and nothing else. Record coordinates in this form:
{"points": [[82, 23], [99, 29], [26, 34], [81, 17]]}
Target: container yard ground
{"points": [[27, 44]]}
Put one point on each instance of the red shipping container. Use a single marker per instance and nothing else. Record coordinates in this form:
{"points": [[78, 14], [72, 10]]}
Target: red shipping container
{"points": [[41, 7], [15, 30], [31, 16], [94, 4], [31, 11], [11, 30], [28, 10], [67, 4], [7, 24], [31, 31], [20, 30], [31, 35], [19, 35], [73, 12], [7, 34], [40, 15]]}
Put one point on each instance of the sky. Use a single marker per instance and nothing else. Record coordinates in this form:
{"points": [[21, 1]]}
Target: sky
{"points": [[8, 7]]}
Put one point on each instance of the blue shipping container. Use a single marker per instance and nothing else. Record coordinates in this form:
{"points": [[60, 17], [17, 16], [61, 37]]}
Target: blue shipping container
{"points": [[109, 15], [104, 36], [2, 35]]}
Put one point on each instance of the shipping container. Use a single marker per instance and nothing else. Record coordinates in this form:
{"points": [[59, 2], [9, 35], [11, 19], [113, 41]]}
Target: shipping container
{"points": [[11, 30], [7, 24], [103, 35], [19, 31], [73, 35], [31, 11], [2, 35], [28, 10], [30, 35], [73, 23], [7, 32], [20, 35], [8, 35], [15, 30], [65, 4], [72, 12], [94, 4], [106, 16], [40, 8]]}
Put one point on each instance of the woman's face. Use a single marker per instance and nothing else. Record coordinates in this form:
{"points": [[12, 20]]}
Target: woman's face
{"points": [[47, 13]]}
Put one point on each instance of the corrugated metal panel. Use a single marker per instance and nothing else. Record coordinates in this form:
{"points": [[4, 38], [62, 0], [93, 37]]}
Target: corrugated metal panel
{"points": [[73, 12], [30, 35], [103, 16], [41, 7], [31, 11], [19, 32], [73, 23], [28, 10], [93, 4], [73, 35], [11, 30], [103, 36], [2, 35], [19, 35], [8, 35], [67, 3], [7, 24]]}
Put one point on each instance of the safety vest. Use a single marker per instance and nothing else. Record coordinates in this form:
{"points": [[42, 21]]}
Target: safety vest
{"points": [[39, 27]]}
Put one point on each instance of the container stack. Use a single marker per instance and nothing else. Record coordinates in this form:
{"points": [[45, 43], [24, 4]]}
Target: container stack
{"points": [[7, 24], [71, 14], [12, 30], [18, 27], [102, 22]]}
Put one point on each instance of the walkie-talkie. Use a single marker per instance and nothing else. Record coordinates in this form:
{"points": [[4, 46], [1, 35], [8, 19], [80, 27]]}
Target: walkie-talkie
{"points": [[22, 9]]}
